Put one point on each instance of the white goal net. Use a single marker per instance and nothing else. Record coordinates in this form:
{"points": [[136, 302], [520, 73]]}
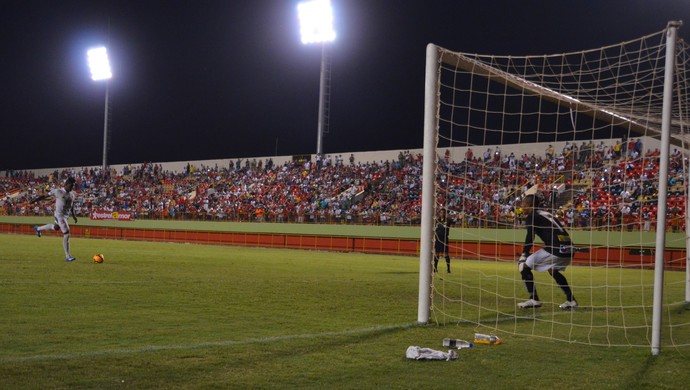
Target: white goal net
{"points": [[600, 136]]}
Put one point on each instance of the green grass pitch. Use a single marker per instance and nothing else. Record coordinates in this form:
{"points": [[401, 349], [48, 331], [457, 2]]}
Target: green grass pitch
{"points": [[163, 315]]}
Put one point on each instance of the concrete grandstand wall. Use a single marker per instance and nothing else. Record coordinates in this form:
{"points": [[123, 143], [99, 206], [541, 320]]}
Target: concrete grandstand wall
{"points": [[457, 154]]}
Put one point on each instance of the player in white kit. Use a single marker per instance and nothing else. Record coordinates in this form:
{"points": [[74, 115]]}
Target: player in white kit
{"points": [[64, 202]]}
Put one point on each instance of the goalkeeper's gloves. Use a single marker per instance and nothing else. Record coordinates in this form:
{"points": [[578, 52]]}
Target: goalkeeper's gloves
{"points": [[521, 262]]}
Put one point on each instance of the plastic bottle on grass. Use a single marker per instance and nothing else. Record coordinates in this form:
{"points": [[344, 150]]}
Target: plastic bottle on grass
{"points": [[481, 338], [456, 343]]}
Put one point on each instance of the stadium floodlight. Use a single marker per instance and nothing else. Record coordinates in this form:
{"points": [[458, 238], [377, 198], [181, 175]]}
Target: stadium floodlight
{"points": [[316, 21], [316, 26], [100, 70], [99, 64]]}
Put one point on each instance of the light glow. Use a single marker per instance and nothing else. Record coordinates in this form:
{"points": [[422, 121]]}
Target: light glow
{"points": [[316, 21], [99, 64]]}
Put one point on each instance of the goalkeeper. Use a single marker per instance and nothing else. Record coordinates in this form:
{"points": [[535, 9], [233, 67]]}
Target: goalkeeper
{"points": [[554, 257]]}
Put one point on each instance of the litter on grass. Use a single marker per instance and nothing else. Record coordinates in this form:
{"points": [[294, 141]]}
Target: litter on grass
{"points": [[419, 353]]}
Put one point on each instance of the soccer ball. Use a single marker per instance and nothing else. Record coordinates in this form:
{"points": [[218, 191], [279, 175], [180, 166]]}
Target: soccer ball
{"points": [[98, 258]]}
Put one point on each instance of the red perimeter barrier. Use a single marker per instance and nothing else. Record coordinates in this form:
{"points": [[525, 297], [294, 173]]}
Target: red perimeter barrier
{"points": [[613, 257]]}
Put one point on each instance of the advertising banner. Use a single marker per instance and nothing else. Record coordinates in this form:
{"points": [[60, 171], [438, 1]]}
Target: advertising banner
{"points": [[99, 215]]}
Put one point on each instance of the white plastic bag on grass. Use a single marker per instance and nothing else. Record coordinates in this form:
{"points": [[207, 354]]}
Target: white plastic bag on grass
{"points": [[418, 353]]}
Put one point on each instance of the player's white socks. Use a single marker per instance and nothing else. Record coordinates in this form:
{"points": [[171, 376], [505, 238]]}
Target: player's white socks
{"points": [[49, 226], [65, 245]]}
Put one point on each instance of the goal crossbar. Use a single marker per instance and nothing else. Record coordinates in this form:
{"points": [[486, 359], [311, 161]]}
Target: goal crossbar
{"points": [[646, 125]]}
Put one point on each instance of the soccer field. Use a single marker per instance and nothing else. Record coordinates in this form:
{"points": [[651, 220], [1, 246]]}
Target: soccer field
{"points": [[162, 315]]}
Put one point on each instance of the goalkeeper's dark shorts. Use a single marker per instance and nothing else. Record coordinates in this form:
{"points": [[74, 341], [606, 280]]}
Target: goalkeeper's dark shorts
{"points": [[441, 247]]}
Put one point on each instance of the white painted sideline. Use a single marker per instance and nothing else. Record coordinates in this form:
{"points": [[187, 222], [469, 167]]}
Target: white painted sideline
{"points": [[225, 343]]}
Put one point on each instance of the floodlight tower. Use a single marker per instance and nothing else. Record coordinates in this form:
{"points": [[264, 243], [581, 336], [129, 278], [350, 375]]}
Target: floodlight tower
{"points": [[100, 70], [316, 26]]}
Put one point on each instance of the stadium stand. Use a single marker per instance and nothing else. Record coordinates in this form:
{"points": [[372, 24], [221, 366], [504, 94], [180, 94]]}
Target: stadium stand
{"points": [[591, 187]]}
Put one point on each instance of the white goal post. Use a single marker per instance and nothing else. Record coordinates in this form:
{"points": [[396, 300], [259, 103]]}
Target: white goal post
{"points": [[518, 108]]}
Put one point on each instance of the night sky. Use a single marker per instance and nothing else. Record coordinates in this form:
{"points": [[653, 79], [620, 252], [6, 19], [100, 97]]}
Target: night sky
{"points": [[197, 80]]}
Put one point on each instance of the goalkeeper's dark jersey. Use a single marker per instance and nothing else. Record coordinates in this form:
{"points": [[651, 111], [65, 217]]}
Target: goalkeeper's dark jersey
{"points": [[549, 229], [442, 232]]}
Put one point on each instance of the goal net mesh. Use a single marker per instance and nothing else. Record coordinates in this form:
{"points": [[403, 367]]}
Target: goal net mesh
{"points": [[582, 130]]}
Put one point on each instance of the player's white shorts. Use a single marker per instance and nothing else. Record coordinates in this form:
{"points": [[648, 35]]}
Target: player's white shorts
{"points": [[542, 260], [62, 223]]}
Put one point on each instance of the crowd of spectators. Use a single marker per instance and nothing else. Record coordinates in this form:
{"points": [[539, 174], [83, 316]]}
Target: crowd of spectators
{"points": [[296, 191], [588, 186]]}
